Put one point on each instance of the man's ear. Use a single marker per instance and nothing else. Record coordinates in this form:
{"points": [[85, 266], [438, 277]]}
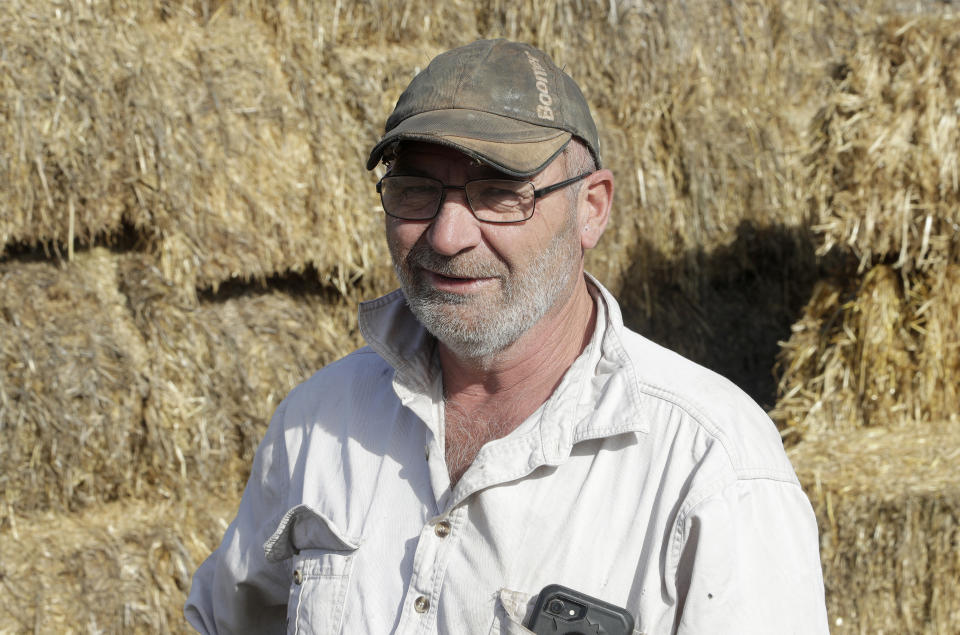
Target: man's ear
{"points": [[595, 200]]}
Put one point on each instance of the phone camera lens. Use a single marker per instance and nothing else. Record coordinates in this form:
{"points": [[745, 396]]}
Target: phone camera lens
{"points": [[555, 607]]}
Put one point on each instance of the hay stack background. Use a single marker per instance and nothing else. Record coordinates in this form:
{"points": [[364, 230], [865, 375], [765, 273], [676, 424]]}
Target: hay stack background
{"points": [[185, 229], [72, 385], [880, 346], [116, 568], [116, 384], [889, 551], [885, 163], [188, 140]]}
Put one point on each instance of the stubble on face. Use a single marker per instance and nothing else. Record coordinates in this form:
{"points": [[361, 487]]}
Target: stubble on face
{"points": [[477, 326]]}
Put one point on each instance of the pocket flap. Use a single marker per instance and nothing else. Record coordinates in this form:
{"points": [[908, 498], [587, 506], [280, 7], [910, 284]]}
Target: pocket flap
{"points": [[516, 604], [303, 527], [511, 612]]}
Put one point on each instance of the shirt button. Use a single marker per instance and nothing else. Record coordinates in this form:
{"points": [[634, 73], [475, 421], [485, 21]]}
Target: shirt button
{"points": [[421, 604], [298, 577], [442, 529]]}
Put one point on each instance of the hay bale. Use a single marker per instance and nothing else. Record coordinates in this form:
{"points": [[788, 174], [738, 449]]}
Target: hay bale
{"points": [[171, 136], [706, 126], [888, 504], [72, 386], [122, 567], [219, 367], [938, 377], [880, 351], [258, 168], [62, 116], [879, 347], [167, 393], [885, 150]]}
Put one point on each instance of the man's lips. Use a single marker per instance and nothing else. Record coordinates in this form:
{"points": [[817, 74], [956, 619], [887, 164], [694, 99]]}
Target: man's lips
{"points": [[455, 283]]}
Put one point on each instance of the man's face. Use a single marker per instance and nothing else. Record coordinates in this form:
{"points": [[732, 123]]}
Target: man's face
{"points": [[479, 286]]}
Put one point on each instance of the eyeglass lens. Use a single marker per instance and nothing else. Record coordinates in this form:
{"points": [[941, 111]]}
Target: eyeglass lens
{"points": [[492, 200]]}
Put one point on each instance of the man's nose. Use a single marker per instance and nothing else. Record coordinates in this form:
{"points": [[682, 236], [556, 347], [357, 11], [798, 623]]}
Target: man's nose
{"points": [[454, 229]]}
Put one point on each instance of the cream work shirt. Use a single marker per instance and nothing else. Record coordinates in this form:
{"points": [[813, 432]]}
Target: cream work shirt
{"points": [[645, 480]]}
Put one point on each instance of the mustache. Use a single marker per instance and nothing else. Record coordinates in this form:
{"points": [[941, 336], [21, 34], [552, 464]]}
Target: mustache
{"points": [[459, 266]]}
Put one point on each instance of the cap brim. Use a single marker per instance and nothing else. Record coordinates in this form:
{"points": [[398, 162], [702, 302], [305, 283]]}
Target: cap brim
{"points": [[511, 146]]}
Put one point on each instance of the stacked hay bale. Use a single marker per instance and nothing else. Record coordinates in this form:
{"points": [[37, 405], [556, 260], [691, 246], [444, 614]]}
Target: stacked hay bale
{"points": [[170, 132], [218, 368], [880, 348], [871, 372], [185, 229], [125, 400], [72, 386], [117, 567], [887, 505]]}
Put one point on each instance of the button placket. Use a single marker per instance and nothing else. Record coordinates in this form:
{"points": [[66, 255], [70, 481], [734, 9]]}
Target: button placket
{"points": [[430, 563]]}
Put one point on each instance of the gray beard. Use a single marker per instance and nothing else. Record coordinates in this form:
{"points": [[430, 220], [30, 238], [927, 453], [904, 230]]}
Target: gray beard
{"points": [[525, 296]]}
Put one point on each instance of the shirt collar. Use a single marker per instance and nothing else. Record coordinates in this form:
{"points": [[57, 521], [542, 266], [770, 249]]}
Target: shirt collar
{"points": [[597, 397], [393, 332]]}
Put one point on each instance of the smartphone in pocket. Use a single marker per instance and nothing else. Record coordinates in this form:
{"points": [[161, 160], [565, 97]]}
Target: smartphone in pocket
{"points": [[560, 610]]}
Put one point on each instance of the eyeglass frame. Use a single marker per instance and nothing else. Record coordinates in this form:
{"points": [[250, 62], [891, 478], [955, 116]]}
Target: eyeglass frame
{"points": [[549, 189]]}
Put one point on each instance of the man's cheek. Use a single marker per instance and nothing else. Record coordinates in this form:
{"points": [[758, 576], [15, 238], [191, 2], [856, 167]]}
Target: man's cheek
{"points": [[397, 252]]}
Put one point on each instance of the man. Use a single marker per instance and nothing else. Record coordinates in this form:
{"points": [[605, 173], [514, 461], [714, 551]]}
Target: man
{"points": [[503, 430]]}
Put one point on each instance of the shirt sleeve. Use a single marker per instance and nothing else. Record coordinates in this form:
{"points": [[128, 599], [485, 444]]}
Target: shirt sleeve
{"points": [[747, 561], [236, 590]]}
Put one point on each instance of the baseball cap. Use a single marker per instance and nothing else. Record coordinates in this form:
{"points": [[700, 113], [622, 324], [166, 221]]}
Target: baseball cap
{"points": [[501, 102]]}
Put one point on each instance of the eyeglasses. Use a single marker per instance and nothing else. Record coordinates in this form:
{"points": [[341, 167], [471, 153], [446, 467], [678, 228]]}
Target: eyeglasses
{"points": [[491, 200]]}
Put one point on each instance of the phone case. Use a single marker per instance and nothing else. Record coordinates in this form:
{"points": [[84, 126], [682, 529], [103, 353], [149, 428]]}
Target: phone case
{"points": [[560, 610]]}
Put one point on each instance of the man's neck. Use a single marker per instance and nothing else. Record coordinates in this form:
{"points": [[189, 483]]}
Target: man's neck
{"points": [[488, 398]]}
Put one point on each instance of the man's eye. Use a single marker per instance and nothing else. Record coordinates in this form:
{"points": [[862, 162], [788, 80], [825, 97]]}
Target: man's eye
{"points": [[498, 197], [419, 192], [497, 192]]}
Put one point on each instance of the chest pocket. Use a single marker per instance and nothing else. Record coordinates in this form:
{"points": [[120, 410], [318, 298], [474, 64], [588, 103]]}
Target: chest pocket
{"points": [[321, 558]]}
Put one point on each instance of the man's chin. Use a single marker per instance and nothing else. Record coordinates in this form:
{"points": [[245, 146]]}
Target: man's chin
{"points": [[468, 331], [471, 346], [453, 317], [441, 300]]}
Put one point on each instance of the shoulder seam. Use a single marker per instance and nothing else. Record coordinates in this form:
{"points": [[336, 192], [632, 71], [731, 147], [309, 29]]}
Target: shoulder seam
{"points": [[700, 418], [704, 422], [691, 505]]}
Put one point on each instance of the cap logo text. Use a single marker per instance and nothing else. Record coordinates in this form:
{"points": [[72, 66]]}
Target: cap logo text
{"points": [[544, 110]]}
